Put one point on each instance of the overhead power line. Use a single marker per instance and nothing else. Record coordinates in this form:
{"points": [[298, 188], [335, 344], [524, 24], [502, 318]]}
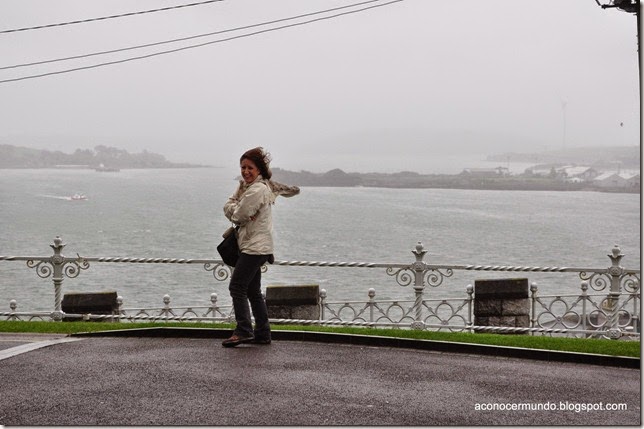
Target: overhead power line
{"points": [[183, 39], [81, 21], [207, 43]]}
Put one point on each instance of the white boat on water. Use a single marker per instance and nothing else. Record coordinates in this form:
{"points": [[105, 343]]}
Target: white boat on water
{"points": [[78, 197], [103, 168]]}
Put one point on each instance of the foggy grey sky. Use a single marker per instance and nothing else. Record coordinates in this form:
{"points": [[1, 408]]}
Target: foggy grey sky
{"points": [[393, 88]]}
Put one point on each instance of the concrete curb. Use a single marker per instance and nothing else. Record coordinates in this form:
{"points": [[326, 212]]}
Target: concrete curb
{"points": [[374, 341], [24, 348]]}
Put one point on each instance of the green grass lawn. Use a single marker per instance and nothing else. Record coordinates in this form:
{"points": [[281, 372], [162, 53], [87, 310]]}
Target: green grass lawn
{"points": [[578, 345]]}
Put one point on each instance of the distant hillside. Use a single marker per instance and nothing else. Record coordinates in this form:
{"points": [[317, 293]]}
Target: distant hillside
{"points": [[491, 179], [22, 157], [601, 158], [335, 177]]}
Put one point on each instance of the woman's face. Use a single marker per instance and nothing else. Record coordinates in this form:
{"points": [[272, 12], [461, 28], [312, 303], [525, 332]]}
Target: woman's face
{"points": [[249, 170]]}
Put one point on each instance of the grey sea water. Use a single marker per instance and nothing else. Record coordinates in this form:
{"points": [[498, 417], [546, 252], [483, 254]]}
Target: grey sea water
{"points": [[177, 213]]}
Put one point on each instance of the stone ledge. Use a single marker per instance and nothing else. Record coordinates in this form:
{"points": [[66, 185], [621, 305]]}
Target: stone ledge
{"points": [[100, 303], [501, 288], [293, 295]]}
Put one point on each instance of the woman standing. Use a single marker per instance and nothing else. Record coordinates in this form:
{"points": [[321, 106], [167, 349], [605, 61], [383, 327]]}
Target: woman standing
{"points": [[250, 208]]}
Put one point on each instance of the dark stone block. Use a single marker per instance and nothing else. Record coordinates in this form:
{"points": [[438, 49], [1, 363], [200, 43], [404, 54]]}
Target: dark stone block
{"points": [[515, 307], [99, 303], [481, 321], [279, 311], [501, 288], [488, 307], [293, 295], [293, 302], [502, 303], [523, 321], [300, 312]]}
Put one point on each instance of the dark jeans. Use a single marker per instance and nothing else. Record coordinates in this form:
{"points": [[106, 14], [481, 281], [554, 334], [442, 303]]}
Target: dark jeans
{"points": [[245, 286]]}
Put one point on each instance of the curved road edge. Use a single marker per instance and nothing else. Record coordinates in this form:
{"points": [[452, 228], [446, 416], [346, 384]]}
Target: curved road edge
{"points": [[375, 341]]}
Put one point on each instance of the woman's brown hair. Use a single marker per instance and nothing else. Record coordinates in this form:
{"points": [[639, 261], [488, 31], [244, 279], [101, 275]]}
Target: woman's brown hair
{"points": [[261, 159]]}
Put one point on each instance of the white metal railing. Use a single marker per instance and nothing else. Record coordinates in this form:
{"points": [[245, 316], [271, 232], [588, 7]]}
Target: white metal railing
{"points": [[612, 311]]}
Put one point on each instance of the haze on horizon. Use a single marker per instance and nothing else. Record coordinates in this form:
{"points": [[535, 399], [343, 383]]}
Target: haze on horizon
{"points": [[404, 86]]}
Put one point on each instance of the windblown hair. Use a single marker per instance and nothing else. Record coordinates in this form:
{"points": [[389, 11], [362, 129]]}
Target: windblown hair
{"points": [[261, 159]]}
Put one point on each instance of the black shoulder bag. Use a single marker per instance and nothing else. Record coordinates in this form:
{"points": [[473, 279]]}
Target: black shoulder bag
{"points": [[229, 248]]}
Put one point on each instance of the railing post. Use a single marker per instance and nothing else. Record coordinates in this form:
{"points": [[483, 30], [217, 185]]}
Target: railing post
{"points": [[167, 311], [470, 307], [419, 267], [612, 303], [584, 308], [372, 295], [214, 308], [636, 309], [533, 305], [58, 270], [58, 261], [119, 308], [13, 305], [322, 303]]}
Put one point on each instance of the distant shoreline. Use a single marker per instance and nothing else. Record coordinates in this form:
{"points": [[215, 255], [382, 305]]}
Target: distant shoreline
{"points": [[101, 158], [98, 169], [553, 171], [410, 180]]}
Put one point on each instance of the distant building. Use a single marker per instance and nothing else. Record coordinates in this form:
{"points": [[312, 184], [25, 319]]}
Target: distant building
{"points": [[632, 179], [569, 173], [537, 171], [617, 180], [580, 173]]}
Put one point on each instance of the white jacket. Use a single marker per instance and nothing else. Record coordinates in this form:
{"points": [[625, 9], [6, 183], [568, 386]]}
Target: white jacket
{"points": [[250, 208]]}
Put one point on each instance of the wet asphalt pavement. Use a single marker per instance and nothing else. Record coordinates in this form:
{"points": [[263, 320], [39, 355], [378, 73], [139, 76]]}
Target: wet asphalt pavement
{"points": [[192, 381]]}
